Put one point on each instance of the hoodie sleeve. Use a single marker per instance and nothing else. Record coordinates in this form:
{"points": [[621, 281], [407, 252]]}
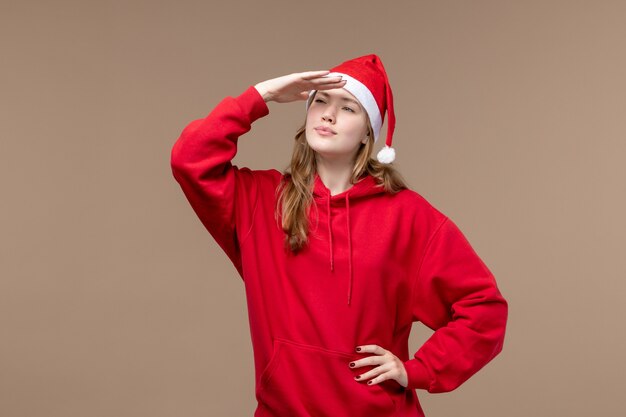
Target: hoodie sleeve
{"points": [[456, 295], [221, 194]]}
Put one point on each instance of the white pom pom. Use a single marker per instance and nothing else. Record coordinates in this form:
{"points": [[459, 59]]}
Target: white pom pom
{"points": [[386, 155]]}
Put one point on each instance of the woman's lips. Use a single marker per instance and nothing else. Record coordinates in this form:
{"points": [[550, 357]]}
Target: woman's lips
{"points": [[324, 132]]}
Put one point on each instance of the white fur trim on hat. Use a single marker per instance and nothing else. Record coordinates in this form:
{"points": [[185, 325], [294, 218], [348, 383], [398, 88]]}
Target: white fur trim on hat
{"points": [[365, 97]]}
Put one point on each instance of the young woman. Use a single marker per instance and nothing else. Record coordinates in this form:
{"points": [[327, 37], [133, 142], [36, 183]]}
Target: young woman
{"points": [[338, 257]]}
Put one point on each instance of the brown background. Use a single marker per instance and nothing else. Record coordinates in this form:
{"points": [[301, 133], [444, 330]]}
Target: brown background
{"points": [[115, 301]]}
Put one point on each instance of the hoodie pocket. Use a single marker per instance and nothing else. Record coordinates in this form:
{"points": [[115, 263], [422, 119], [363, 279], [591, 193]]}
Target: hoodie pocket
{"points": [[305, 380]]}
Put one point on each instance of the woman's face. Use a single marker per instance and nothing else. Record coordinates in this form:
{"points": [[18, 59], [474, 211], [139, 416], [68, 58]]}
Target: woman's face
{"points": [[345, 120]]}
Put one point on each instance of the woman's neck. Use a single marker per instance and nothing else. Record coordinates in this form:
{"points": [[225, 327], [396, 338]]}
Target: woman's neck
{"points": [[335, 177]]}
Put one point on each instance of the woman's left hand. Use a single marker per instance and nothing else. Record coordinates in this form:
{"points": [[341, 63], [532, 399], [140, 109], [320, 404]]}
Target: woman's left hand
{"points": [[389, 366]]}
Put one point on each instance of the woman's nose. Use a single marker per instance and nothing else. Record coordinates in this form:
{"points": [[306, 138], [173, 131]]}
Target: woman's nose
{"points": [[327, 117]]}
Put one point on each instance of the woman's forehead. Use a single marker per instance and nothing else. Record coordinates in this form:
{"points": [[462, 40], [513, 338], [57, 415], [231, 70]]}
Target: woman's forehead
{"points": [[339, 93]]}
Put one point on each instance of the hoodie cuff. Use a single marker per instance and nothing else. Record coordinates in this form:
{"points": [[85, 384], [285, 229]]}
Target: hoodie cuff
{"points": [[418, 377], [252, 103]]}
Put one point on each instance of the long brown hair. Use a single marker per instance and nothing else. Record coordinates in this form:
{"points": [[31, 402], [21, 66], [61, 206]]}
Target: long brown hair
{"points": [[295, 192]]}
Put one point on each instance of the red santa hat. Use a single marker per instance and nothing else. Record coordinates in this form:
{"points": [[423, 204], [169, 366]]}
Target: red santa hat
{"points": [[367, 80]]}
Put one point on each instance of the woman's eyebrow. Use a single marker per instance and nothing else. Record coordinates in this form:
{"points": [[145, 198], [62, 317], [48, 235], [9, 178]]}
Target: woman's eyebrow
{"points": [[343, 98]]}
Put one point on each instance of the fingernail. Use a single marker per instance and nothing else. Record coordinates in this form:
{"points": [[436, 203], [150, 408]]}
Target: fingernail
{"points": [[369, 382], [351, 364], [358, 349], [357, 377]]}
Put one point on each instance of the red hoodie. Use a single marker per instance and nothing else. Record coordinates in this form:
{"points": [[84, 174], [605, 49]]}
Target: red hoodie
{"points": [[375, 263]]}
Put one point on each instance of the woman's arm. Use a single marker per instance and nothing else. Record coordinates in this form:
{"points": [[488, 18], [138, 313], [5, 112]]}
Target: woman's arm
{"points": [[456, 295], [201, 164]]}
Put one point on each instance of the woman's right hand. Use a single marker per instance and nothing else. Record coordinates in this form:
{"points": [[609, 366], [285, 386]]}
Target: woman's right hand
{"points": [[296, 86]]}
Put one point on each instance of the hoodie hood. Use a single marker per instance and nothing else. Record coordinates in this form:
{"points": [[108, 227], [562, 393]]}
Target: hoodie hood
{"points": [[365, 188]]}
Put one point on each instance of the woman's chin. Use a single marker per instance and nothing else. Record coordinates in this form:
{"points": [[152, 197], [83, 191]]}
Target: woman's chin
{"points": [[324, 149]]}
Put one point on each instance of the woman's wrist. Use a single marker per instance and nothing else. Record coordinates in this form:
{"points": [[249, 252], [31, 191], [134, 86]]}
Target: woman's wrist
{"points": [[263, 92]]}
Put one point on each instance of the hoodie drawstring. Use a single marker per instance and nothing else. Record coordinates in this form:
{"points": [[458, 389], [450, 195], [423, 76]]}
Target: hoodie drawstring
{"points": [[330, 236], [349, 247], [364, 188], [330, 243]]}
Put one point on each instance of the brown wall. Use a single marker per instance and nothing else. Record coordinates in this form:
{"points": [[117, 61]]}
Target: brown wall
{"points": [[115, 301]]}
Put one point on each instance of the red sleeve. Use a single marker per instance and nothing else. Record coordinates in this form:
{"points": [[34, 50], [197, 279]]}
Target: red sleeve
{"points": [[221, 194], [456, 295]]}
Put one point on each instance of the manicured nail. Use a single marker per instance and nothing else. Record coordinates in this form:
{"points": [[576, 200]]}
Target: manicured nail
{"points": [[358, 349], [357, 377], [369, 382], [351, 364]]}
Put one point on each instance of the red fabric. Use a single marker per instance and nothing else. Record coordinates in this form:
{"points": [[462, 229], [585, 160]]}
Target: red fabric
{"points": [[375, 263]]}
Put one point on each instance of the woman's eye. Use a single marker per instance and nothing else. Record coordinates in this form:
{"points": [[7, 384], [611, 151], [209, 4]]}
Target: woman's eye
{"points": [[319, 100]]}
